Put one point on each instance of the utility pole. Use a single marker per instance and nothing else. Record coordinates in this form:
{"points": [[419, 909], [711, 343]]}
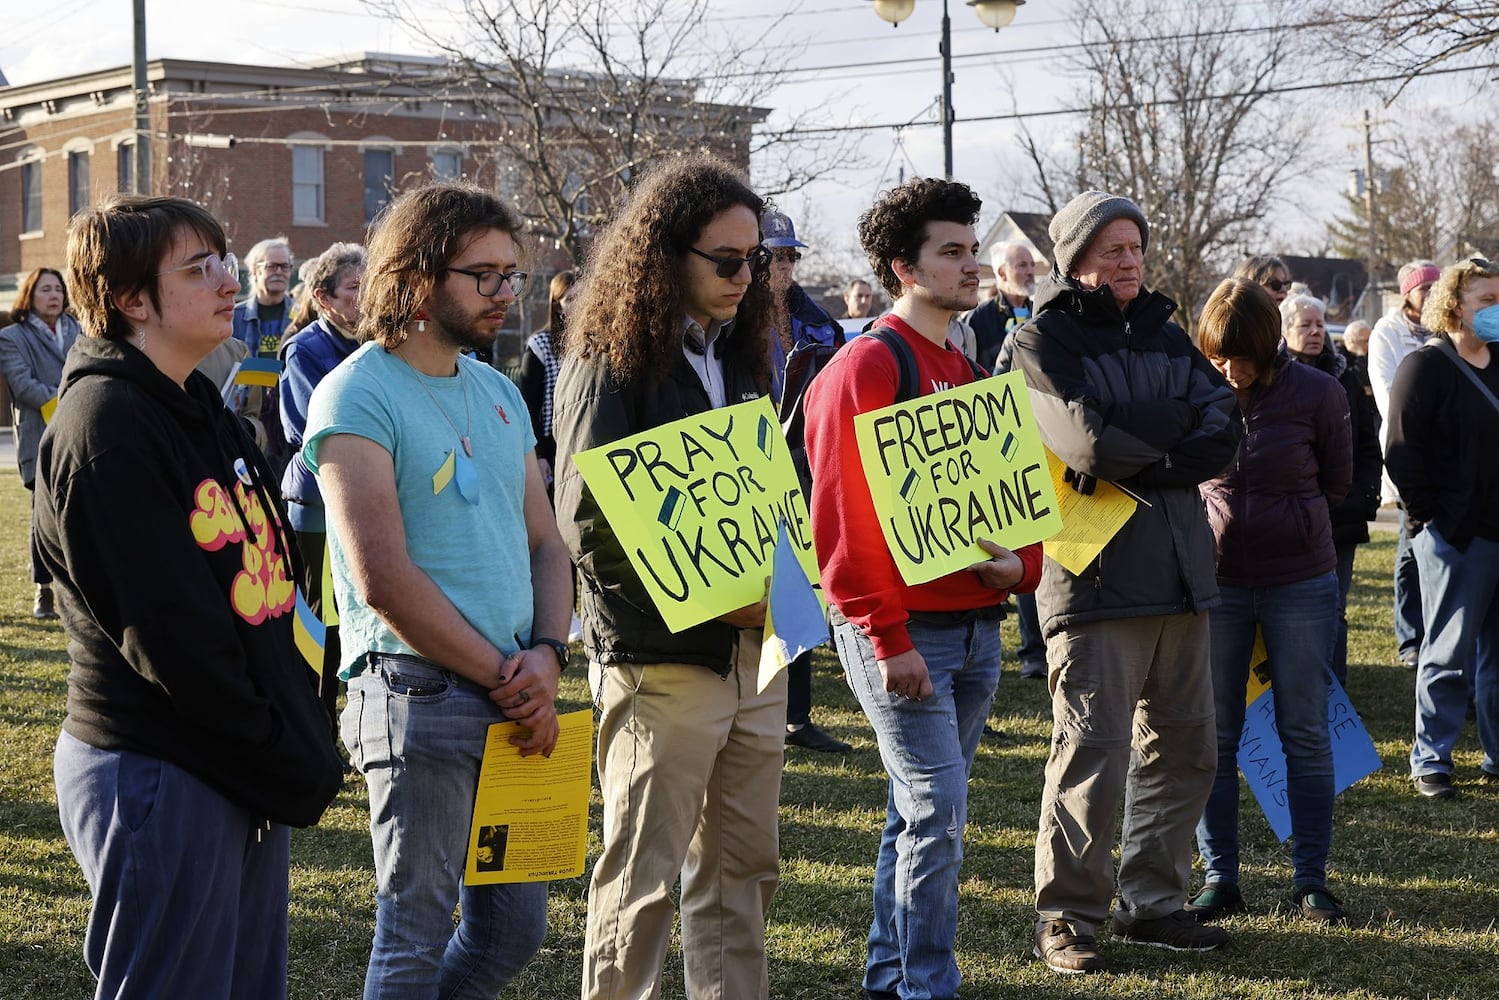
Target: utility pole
{"points": [[1371, 299], [141, 175]]}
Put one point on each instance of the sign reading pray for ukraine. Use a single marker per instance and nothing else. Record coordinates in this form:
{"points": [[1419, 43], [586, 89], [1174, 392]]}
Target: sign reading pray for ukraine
{"points": [[696, 504], [948, 469]]}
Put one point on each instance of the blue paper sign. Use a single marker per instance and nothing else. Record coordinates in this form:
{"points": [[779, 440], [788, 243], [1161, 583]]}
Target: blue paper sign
{"points": [[1263, 761]]}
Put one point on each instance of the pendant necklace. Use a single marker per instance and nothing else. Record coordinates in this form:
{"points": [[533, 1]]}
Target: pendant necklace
{"points": [[468, 448]]}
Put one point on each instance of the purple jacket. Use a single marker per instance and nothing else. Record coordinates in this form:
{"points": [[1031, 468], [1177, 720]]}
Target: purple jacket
{"points": [[1269, 511]]}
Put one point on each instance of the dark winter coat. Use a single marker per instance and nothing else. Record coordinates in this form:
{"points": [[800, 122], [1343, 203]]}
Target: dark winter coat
{"points": [[1124, 396], [1269, 511], [1350, 519]]}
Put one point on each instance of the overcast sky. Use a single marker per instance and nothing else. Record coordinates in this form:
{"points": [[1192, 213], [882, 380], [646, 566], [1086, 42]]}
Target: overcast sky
{"points": [[1015, 69]]}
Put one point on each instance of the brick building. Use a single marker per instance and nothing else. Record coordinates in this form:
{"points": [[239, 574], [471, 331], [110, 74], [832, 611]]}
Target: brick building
{"points": [[312, 153]]}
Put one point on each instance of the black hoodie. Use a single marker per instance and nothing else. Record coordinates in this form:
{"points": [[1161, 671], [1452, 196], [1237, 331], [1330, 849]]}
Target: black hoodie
{"points": [[161, 526]]}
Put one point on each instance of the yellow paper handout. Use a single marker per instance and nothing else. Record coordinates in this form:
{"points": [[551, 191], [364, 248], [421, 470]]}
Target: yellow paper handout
{"points": [[1088, 522], [531, 813]]}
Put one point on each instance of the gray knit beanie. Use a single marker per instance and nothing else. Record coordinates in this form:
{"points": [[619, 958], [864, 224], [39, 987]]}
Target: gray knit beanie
{"points": [[1074, 227]]}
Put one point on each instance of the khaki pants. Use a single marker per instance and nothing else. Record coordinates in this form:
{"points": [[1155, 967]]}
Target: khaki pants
{"points": [[1132, 714], [690, 773]]}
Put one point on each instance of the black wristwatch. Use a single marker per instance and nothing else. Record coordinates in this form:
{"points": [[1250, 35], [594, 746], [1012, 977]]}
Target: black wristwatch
{"points": [[557, 646]]}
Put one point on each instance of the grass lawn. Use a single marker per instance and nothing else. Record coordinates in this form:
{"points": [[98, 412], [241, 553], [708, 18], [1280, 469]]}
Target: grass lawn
{"points": [[1418, 877]]}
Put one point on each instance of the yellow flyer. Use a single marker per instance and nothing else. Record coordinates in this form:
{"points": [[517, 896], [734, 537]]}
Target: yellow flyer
{"points": [[1088, 522], [696, 504], [948, 469], [531, 813]]}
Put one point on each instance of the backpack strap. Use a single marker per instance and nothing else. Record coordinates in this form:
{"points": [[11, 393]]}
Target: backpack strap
{"points": [[905, 361], [906, 389]]}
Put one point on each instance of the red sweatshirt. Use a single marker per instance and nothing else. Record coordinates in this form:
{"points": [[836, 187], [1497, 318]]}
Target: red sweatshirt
{"points": [[858, 574]]}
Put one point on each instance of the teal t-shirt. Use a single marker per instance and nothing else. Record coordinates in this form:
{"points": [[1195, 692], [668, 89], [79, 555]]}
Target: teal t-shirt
{"points": [[476, 552]]}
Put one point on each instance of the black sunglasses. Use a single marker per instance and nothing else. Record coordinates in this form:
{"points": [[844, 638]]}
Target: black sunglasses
{"points": [[791, 255], [727, 267], [1276, 285]]}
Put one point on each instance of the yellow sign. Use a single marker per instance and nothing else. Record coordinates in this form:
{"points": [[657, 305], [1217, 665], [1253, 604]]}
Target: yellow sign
{"points": [[1088, 522], [531, 813], [948, 469], [695, 505]]}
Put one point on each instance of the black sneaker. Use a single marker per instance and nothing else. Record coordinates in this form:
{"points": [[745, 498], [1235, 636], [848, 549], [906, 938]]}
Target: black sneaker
{"points": [[1318, 905], [1066, 952], [1033, 671], [809, 737], [1214, 900], [1175, 931], [1435, 785]]}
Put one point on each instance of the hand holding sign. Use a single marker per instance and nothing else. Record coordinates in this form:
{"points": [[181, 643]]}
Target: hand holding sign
{"points": [[751, 615], [1000, 572]]}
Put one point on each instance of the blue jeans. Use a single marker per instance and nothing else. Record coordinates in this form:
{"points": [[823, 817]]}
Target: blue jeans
{"points": [[1032, 651], [1409, 629], [928, 749], [189, 889], [1299, 623], [1344, 569], [1460, 655], [416, 732]]}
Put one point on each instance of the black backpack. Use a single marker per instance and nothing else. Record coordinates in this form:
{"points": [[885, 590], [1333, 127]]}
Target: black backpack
{"points": [[808, 359]]}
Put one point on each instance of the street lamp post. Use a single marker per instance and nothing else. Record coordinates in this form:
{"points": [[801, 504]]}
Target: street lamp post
{"points": [[993, 13]]}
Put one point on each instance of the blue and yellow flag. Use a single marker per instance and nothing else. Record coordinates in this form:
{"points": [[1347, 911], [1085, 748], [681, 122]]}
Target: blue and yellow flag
{"points": [[310, 634], [794, 621], [258, 371]]}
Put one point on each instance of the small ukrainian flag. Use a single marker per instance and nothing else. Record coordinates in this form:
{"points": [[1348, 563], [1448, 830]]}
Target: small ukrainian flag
{"points": [[310, 635], [258, 371]]}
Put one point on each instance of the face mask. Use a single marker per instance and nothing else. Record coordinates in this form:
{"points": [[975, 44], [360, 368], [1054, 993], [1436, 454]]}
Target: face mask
{"points": [[1486, 324]]}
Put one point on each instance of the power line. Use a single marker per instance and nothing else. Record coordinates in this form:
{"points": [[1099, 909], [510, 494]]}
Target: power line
{"points": [[1168, 102]]}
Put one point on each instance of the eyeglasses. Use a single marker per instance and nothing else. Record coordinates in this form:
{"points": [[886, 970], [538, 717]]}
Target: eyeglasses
{"points": [[792, 255], [1276, 284], [489, 283], [727, 267], [268, 266], [216, 270]]}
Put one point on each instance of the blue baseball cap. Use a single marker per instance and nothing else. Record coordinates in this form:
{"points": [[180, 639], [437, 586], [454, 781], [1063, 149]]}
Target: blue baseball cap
{"points": [[777, 230]]}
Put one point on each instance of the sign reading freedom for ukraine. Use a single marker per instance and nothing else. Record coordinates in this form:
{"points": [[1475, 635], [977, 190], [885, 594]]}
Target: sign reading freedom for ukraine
{"points": [[948, 469], [695, 505]]}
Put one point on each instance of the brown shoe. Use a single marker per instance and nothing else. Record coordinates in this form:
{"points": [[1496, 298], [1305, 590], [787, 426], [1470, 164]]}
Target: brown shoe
{"points": [[1067, 952]]}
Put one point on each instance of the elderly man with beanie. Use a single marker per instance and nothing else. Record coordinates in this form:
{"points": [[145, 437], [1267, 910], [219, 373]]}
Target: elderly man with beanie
{"points": [[1396, 336], [1120, 394]]}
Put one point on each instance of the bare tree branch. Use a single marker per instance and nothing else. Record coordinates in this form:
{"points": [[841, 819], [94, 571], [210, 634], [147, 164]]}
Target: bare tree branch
{"points": [[1184, 125], [582, 96], [1410, 37]]}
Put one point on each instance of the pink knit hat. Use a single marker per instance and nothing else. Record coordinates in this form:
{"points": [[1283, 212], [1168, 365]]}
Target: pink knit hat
{"points": [[1420, 276]]}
